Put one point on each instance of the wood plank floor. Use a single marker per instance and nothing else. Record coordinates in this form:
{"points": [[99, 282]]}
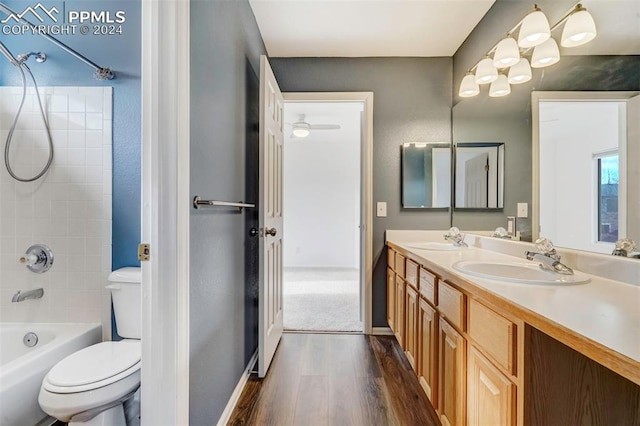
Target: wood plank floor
{"points": [[333, 379]]}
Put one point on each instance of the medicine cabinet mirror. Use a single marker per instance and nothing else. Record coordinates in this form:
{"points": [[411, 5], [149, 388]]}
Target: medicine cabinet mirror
{"points": [[479, 175], [426, 175]]}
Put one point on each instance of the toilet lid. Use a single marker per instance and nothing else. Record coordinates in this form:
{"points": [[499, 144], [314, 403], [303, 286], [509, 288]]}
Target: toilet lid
{"points": [[95, 363]]}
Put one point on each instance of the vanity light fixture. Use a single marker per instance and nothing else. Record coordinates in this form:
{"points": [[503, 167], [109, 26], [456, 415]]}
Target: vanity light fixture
{"points": [[485, 72], [469, 87], [579, 29], [500, 87], [533, 33], [545, 54], [520, 72]]}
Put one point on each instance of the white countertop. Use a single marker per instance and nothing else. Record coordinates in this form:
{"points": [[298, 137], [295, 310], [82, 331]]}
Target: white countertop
{"points": [[603, 310]]}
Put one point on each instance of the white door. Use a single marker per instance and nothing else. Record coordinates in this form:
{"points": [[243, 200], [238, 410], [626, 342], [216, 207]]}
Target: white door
{"points": [[475, 178], [271, 142]]}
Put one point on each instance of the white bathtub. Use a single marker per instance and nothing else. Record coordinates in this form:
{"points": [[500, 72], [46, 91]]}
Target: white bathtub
{"points": [[22, 368]]}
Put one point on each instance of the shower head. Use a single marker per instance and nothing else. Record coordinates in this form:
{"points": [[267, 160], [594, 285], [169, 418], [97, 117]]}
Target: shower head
{"points": [[6, 52], [40, 57]]}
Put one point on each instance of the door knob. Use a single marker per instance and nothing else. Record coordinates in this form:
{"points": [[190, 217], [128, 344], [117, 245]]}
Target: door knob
{"points": [[270, 231]]}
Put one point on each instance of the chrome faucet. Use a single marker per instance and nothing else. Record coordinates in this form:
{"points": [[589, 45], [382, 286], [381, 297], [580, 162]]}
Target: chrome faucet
{"points": [[548, 257], [29, 294], [455, 237]]}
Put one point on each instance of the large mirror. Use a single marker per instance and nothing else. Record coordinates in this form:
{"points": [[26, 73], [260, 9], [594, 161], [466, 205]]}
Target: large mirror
{"points": [[591, 200], [426, 175], [479, 178], [611, 63]]}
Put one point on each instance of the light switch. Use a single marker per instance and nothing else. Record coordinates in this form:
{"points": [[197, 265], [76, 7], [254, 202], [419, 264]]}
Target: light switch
{"points": [[381, 209], [523, 209]]}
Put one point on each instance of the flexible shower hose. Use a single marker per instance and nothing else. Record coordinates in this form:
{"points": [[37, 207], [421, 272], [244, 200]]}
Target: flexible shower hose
{"points": [[22, 67]]}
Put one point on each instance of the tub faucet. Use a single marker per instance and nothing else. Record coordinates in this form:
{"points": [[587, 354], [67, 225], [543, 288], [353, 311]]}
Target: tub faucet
{"points": [[455, 237], [29, 294], [548, 258]]}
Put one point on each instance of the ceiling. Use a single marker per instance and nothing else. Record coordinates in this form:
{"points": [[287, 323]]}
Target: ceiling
{"points": [[366, 28]]}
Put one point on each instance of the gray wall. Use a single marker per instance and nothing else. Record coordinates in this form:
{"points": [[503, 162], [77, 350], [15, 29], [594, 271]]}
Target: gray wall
{"points": [[508, 119], [225, 49], [412, 102]]}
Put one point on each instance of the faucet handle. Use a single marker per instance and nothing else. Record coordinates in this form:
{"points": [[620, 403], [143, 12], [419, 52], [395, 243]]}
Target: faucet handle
{"points": [[544, 245], [624, 246]]}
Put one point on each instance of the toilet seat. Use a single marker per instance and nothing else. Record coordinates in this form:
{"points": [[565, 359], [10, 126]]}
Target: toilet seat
{"points": [[94, 367]]}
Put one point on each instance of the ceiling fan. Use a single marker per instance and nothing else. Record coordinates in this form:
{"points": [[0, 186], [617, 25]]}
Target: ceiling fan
{"points": [[301, 129]]}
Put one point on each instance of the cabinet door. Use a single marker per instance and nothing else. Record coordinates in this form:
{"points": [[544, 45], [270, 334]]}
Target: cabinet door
{"points": [[391, 298], [399, 319], [491, 395], [452, 375], [428, 350], [411, 335]]}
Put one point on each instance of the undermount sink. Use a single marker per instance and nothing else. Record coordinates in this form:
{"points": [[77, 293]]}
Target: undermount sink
{"points": [[435, 246], [517, 272]]}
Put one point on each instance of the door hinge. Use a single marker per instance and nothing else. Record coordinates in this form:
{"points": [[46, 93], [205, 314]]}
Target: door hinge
{"points": [[144, 251]]}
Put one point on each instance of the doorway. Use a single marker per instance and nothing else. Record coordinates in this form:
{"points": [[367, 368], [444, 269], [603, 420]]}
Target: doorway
{"points": [[324, 258]]}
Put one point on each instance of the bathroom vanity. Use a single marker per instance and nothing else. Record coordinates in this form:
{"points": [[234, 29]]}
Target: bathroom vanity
{"points": [[499, 352]]}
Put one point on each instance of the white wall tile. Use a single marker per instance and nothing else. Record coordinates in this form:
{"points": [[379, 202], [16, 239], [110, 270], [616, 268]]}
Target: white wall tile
{"points": [[69, 209]]}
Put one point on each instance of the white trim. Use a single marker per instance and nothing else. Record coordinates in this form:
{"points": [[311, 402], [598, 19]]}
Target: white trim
{"points": [[382, 331], [367, 172], [165, 212], [536, 98], [237, 392]]}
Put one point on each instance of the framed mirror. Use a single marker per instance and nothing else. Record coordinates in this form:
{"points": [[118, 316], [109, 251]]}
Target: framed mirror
{"points": [[426, 175], [479, 175]]}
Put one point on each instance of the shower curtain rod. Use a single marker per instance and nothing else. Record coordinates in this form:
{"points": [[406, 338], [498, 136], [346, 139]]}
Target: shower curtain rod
{"points": [[102, 73]]}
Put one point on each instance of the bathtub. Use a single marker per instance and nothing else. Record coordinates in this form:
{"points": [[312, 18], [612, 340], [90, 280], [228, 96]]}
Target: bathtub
{"points": [[22, 368]]}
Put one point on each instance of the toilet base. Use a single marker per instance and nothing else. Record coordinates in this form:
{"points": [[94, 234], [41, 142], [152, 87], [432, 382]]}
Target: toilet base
{"points": [[111, 417]]}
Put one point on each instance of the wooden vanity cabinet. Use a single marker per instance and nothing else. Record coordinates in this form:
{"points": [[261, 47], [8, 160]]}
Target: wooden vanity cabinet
{"points": [[411, 326], [427, 357], [491, 395], [451, 375], [391, 298], [399, 319]]}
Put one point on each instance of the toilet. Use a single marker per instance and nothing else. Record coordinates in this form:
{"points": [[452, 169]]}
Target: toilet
{"points": [[89, 387]]}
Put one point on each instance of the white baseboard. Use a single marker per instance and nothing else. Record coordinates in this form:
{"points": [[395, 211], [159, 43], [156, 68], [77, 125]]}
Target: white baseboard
{"points": [[235, 396], [381, 331]]}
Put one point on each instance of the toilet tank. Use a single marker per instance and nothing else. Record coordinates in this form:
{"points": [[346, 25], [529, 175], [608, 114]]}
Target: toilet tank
{"points": [[126, 294]]}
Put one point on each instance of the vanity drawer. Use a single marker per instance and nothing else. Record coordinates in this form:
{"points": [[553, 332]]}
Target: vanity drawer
{"points": [[391, 258], [495, 334], [399, 265], [428, 283], [451, 304], [411, 272]]}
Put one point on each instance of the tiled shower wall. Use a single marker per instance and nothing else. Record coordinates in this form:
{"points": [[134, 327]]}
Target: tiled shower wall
{"points": [[69, 209]]}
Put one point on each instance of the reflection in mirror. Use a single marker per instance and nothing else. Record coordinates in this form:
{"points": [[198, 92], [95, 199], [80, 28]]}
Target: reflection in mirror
{"points": [[591, 201], [479, 181], [426, 175]]}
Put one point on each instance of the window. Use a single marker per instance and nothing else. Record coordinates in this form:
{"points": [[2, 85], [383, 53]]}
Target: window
{"points": [[608, 179]]}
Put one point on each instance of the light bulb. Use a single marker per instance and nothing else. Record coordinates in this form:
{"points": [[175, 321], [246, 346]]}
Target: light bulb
{"points": [[500, 87], [507, 53], [520, 72], [486, 72], [300, 132], [579, 29], [545, 54], [534, 29], [468, 87]]}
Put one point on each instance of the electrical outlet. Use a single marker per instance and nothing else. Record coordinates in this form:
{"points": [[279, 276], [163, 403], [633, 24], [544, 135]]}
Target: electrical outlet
{"points": [[523, 209], [381, 209]]}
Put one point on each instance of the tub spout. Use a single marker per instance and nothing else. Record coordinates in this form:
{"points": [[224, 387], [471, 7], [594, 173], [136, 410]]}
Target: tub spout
{"points": [[29, 294]]}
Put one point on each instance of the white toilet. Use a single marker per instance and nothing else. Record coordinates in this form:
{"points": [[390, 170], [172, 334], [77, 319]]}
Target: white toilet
{"points": [[90, 386]]}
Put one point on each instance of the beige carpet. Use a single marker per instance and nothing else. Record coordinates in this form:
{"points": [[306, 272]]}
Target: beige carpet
{"points": [[321, 300]]}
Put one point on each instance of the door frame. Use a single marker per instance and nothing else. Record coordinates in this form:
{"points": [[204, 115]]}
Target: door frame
{"points": [[367, 178], [166, 209]]}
